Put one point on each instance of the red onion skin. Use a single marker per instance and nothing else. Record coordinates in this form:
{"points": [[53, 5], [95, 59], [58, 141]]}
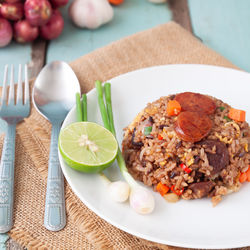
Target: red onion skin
{"points": [[53, 28], [6, 32], [37, 12], [12, 11], [58, 3], [24, 32]]}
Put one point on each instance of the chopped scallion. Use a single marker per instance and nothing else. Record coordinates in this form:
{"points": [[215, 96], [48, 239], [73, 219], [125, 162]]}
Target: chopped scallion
{"points": [[227, 118], [147, 130]]}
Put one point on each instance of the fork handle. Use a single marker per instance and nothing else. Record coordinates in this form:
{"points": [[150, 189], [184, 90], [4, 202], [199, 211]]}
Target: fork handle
{"points": [[7, 179], [55, 217]]}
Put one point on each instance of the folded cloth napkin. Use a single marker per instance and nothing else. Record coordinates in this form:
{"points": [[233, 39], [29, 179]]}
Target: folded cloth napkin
{"points": [[165, 44]]}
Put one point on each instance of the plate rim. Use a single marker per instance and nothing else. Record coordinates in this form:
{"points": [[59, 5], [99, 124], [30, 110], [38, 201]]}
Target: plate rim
{"points": [[123, 228]]}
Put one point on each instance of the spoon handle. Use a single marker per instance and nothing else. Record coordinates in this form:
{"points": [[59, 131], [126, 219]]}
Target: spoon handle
{"points": [[55, 217]]}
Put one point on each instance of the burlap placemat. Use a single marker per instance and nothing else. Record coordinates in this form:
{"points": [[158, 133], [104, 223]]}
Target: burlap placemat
{"points": [[165, 44]]}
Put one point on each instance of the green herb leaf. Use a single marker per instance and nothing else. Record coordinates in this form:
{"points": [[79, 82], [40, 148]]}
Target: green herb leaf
{"points": [[147, 130], [227, 118], [221, 108]]}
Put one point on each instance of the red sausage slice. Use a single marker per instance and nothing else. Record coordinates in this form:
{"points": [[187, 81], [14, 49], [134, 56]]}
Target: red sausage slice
{"points": [[190, 101], [192, 126]]}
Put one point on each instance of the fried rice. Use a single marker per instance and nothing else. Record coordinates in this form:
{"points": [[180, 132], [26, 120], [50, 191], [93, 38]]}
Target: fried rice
{"points": [[214, 163]]}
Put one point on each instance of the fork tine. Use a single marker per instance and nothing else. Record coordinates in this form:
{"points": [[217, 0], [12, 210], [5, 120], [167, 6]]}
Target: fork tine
{"points": [[5, 77], [12, 89], [26, 86], [19, 86]]}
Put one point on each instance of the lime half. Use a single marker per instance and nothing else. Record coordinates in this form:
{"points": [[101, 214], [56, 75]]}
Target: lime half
{"points": [[87, 146]]}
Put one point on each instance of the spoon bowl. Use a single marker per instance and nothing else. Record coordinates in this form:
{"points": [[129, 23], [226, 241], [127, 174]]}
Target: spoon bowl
{"points": [[53, 96], [54, 90]]}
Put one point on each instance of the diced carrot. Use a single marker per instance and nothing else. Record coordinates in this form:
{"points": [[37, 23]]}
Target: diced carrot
{"points": [[115, 2], [173, 108], [162, 188], [160, 137], [237, 115], [248, 174], [243, 177]]}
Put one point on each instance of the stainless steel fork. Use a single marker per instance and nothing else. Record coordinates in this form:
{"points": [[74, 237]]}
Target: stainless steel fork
{"points": [[12, 112]]}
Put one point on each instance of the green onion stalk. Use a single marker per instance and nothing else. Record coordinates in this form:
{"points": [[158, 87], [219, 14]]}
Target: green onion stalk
{"points": [[84, 108], [118, 190], [78, 108], [141, 199]]}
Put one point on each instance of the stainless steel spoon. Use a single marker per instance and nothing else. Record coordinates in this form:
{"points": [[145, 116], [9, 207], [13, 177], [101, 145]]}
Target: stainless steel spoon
{"points": [[53, 96]]}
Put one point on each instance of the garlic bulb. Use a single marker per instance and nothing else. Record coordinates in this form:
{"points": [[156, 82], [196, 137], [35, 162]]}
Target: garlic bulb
{"points": [[90, 14], [157, 1]]}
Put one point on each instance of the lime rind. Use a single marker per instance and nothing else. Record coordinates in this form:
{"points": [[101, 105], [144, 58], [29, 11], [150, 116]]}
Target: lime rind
{"points": [[82, 158]]}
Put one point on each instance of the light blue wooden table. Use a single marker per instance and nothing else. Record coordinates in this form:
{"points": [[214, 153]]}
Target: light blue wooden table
{"points": [[222, 25]]}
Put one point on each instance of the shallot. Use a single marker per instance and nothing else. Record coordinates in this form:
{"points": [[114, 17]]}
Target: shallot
{"points": [[37, 12], [90, 14], [6, 32], [13, 1], [53, 28], [12, 11], [24, 32]]}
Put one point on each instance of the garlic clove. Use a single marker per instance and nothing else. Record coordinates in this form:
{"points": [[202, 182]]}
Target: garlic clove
{"points": [[171, 197], [90, 14]]}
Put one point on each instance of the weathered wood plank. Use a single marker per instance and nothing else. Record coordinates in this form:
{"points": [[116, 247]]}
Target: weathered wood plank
{"points": [[180, 13], [12, 245], [38, 57]]}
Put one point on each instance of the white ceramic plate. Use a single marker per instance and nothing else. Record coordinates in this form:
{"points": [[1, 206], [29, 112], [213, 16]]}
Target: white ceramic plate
{"points": [[194, 223]]}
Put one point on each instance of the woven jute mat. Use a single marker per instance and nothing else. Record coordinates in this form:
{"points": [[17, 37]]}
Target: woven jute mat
{"points": [[165, 44]]}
